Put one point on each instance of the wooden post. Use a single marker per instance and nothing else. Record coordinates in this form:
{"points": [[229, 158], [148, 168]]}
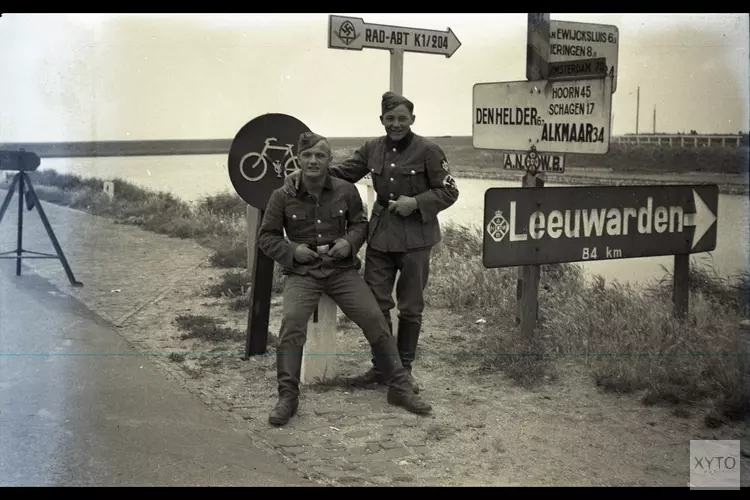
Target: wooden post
{"points": [[537, 64], [681, 285], [253, 227], [527, 311], [260, 296]]}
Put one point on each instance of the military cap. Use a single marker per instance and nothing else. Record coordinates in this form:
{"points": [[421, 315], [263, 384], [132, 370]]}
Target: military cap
{"points": [[391, 100], [308, 140]]}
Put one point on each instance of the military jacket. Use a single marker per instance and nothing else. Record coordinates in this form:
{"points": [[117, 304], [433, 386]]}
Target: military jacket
{"points": [[416, 167], [338, 213]]}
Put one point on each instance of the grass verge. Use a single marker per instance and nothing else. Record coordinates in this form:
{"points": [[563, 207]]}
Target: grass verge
{"points": [[626, 338]]}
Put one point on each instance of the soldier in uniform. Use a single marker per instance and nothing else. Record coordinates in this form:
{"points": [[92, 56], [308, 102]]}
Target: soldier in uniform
{"points": [[326, 225], [413, 184]]}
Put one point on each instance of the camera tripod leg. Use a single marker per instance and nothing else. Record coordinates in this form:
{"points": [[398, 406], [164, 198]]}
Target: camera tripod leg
{"points": [[8, 196], [51, 235], [19, 247]]}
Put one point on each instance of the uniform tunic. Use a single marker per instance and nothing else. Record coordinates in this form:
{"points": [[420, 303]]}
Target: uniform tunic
{"points": [[338, 214], [416, 167]]}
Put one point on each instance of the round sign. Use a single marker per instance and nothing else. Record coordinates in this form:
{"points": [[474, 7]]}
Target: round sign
{"points": [[263, 152]]}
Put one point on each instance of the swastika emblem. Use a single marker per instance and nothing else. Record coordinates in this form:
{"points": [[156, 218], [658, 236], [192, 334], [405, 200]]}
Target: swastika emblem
{"points": [[498, 227], [347, 33]]}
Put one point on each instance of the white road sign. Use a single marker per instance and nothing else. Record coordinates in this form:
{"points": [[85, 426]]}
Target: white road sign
{"points": [[352, 33], [555, 117], [571, 41]]}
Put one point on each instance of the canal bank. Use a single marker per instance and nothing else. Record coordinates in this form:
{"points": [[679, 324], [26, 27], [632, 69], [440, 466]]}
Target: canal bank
{"points": [[145, 282]]}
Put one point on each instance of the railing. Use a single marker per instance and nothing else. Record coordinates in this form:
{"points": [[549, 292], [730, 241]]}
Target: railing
{"points": [[681, 140]]}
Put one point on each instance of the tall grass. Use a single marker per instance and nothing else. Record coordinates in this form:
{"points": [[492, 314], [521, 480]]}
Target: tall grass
{"points": [[628, 338]]}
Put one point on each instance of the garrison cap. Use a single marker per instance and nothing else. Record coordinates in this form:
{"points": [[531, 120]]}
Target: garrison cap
{"points": [[308, 140], [391, 100]]}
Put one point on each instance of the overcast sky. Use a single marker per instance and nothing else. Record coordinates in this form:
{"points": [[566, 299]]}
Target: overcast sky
{"points": [[180, 76]]}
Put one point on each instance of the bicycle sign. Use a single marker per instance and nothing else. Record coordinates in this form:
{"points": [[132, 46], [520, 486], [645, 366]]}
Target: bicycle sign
{"points": [[251, 169], [253, 154]]}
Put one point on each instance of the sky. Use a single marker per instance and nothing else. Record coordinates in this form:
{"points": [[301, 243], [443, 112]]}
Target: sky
{"points": [[91, 77]]}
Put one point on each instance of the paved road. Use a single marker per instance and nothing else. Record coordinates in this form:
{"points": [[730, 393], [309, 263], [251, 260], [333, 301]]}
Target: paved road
{"points": [[80, 407]]}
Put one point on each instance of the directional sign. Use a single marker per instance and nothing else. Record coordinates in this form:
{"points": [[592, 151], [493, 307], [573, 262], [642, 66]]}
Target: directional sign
{"points": [[263, 152], [524, 226], [556, 117], [578, 70], [352, 33], [547, 163], [537, 46], [571, 41]]}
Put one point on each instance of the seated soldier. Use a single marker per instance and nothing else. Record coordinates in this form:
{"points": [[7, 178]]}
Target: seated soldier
{"points": [[326, 225]]}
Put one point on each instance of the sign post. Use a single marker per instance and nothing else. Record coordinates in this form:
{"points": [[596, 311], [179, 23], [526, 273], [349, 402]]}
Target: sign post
{"points": [[261, 155], [563, 107], [575, 224], [353, 33], [581, 42], [537, 68]]}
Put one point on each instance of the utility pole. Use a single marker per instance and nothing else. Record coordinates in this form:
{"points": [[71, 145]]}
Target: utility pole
{"points": [[637, 109], [654, 119]]}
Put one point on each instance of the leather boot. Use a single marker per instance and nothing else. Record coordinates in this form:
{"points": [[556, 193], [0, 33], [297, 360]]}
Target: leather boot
{"points": [[407, 339], [400, 392], [289, 370], [372, 377]]}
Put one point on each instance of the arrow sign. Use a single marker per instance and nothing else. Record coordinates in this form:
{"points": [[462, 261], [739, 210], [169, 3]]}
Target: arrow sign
{"points": [[702, 219], [352, 33], [524, 226]]}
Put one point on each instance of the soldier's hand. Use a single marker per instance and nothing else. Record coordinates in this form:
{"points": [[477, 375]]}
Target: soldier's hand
{"points": [[291, 182], [304, 254], [341, 249], [404, 206]]}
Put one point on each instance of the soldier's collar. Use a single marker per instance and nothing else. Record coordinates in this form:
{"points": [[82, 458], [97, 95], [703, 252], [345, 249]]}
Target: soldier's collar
{"points": [[402, 144], [327, 184]]}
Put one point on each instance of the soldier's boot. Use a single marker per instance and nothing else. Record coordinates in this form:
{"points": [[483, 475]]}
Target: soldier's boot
{"points": [[400, 392], [371, 377], [408, 337], [289, 370]]}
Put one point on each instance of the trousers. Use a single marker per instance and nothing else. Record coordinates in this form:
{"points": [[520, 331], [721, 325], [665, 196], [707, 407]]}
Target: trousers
{"points": [[346, 288], [380, 275]]}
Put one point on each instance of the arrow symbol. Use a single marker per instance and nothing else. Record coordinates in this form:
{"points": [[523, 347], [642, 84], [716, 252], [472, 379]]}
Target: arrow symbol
{"points": [[702, 219], [353, 33]]}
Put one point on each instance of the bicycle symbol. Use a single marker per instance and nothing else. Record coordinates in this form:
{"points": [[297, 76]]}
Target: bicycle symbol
{"points": [[262, 158]]}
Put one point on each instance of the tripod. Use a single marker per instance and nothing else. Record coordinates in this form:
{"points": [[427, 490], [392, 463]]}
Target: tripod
{"points": [[21, 179]]}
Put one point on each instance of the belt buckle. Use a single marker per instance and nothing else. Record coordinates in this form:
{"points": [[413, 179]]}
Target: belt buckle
{"points": [[322, 249]]}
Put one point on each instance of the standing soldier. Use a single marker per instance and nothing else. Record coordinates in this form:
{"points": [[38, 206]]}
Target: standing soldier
{"points": [[413, 184], [326, 226]]}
